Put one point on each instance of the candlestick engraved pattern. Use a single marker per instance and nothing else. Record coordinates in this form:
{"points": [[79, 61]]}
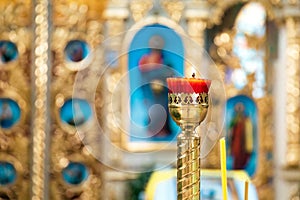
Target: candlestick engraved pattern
{"points": [[188, 167]]}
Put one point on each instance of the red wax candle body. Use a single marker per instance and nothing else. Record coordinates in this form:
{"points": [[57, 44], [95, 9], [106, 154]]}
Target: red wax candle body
{"points": [[188, 85]]}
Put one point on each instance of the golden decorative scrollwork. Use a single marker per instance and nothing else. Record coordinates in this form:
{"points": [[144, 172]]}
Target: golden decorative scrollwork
{"points": [[139, 8], [15, 85], [174, 8], [76, 20], [292, 89], [14, 14]]}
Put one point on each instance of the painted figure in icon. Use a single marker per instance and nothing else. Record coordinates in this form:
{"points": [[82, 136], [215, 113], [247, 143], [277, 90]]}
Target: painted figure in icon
{"points": [[76, 50], [78, 116], [154, 71], [6, 115], [240, 137], [8, 52]]}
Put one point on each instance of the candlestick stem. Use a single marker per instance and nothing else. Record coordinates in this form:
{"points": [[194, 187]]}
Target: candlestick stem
{"points": [[188, 166]]}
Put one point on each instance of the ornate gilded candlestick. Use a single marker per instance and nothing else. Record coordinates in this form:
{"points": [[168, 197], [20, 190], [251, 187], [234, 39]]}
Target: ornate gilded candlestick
{"points": [[188, 105]]}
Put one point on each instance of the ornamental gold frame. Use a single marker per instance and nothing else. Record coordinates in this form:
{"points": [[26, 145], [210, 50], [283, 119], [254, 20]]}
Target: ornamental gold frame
{"points": [[59, 101], [12, 94]]}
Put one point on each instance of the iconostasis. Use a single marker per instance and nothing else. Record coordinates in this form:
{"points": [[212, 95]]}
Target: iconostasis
{"points": [[83, 96]]}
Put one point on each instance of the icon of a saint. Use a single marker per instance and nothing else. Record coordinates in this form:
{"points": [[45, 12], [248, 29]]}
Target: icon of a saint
{"points": [[240, 137], [6, 116], [8, 52], [154, 70]]}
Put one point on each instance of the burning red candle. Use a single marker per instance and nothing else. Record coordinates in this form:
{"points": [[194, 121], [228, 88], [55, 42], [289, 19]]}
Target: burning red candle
{"points": [[188, 85]]}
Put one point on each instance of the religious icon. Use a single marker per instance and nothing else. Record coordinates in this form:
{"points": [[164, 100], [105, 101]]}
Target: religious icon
{"points": [[8, 52], [8, 173], [156, 52], [75, 173], [76, 50], [75, 112], [241, 134], [78, 117], [240, 137], [154, 71], [9, 113], [6, 115]]}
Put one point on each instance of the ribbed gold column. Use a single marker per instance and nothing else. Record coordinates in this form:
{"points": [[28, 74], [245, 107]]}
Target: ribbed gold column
{"points": [[293, 91], [40, 91], [188, 167]]}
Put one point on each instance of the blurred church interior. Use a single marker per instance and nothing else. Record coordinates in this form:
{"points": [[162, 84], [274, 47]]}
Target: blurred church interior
{"points": [[84, 101]]}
